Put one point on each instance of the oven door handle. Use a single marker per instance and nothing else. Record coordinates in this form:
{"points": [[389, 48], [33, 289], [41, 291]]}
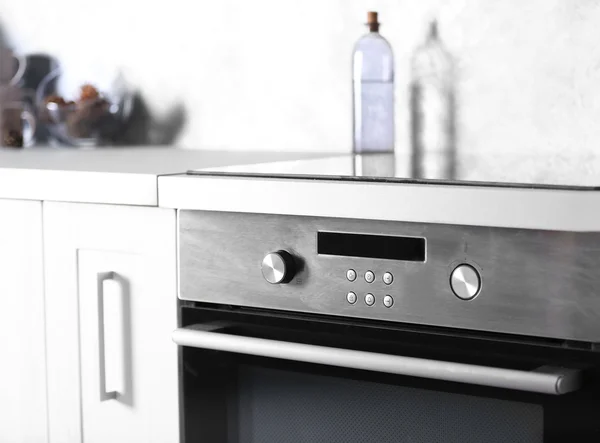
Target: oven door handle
{"points": [[545, 380]]}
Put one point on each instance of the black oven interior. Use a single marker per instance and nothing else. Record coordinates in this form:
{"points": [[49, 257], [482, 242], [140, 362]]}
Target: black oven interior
{"points": [[238, 398]]}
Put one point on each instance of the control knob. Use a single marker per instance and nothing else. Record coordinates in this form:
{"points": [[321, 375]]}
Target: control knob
{"points": [[278, 267], [465, 282]]}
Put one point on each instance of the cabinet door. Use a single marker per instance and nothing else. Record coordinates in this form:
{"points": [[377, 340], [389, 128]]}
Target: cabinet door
{"points": [[22, 348], [111, 305]]}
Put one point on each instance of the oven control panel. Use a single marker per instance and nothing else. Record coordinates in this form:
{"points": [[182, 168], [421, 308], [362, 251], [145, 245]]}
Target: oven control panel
{"points": [[480, 278], [279, 267]]}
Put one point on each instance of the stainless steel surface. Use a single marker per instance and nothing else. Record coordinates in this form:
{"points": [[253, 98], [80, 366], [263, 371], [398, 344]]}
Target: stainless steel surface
{"points": [[536, 283], [104, 395], [277, 267], [546, 380], [465, 282], [369, 299]]}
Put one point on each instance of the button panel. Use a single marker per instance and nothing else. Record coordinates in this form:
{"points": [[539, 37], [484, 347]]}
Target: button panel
{"points": [[370, 277]]}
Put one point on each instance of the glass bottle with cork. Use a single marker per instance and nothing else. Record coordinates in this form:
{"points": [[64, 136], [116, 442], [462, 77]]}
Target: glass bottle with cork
{"points": [[373, 91]]}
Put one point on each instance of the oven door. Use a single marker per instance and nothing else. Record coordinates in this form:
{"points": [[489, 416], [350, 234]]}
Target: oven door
{"points": [[249, 377]]}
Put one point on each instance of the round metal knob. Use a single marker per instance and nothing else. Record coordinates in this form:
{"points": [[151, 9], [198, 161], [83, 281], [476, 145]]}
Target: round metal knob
{"points": [[465, 282], [278, 267]]}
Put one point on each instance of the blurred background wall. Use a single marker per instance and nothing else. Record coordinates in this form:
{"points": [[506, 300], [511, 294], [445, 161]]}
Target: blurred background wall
{"points": [[275, 74]]}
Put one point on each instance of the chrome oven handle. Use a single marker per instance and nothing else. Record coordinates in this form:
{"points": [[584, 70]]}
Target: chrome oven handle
{"points": [[545, 380], [102, 277]]}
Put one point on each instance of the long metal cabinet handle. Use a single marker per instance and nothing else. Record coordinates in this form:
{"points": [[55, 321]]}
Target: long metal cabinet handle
{"points": [[546, 379], [102, 277]]}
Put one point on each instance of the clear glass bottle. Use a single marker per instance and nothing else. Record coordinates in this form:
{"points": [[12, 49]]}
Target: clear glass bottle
{"points": [[373, 83], [433, 110]]}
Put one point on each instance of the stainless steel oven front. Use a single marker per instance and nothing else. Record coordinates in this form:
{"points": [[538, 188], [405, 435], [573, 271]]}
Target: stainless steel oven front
{"points": [[301, 329]]}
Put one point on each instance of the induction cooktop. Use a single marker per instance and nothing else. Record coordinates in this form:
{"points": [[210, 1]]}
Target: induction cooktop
{"points": [[556, 171], [562, 171]]}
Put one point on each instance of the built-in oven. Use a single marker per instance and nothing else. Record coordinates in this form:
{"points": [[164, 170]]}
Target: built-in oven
{"points": [[300, 329]]}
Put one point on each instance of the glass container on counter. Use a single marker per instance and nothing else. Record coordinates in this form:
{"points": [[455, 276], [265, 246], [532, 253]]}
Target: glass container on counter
{"points": [[433, 110], [373, 91]]}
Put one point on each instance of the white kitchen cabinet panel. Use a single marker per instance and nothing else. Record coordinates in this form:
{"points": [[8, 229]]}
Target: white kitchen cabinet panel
{"points": [[23, 415], [111, 305]]}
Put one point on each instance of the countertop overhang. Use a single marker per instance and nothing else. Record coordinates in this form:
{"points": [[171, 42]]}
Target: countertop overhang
{"points": [[527, 208], [116, 175]]}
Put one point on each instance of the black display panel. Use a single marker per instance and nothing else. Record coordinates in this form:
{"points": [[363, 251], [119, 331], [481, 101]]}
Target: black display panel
{"points": [[385, 247]]}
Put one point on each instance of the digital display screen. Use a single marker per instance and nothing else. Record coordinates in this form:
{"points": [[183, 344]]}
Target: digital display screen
{"points": [[385, 247]]}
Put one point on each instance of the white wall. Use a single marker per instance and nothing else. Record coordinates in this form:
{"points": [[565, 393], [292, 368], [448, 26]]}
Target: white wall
{"points": [[275, 74]]}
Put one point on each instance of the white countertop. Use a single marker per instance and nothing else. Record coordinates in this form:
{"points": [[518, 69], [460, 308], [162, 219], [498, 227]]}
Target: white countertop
{"points": [[151, 176], [565, 209], [107, 175]]}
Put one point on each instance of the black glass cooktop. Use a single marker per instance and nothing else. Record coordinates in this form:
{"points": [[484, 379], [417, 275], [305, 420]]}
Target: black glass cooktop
{"points": [[556, 171]]}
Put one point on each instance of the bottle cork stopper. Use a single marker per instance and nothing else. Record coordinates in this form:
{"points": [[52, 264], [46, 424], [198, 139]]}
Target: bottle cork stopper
{"points": [[372, 18], [372, 21]]}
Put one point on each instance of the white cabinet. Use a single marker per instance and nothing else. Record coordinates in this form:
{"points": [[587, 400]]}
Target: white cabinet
{"points": [[111, 305], [23, 416]]}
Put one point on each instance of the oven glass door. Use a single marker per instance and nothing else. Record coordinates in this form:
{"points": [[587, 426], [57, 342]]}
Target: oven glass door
{"points": [[256, 378]]}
